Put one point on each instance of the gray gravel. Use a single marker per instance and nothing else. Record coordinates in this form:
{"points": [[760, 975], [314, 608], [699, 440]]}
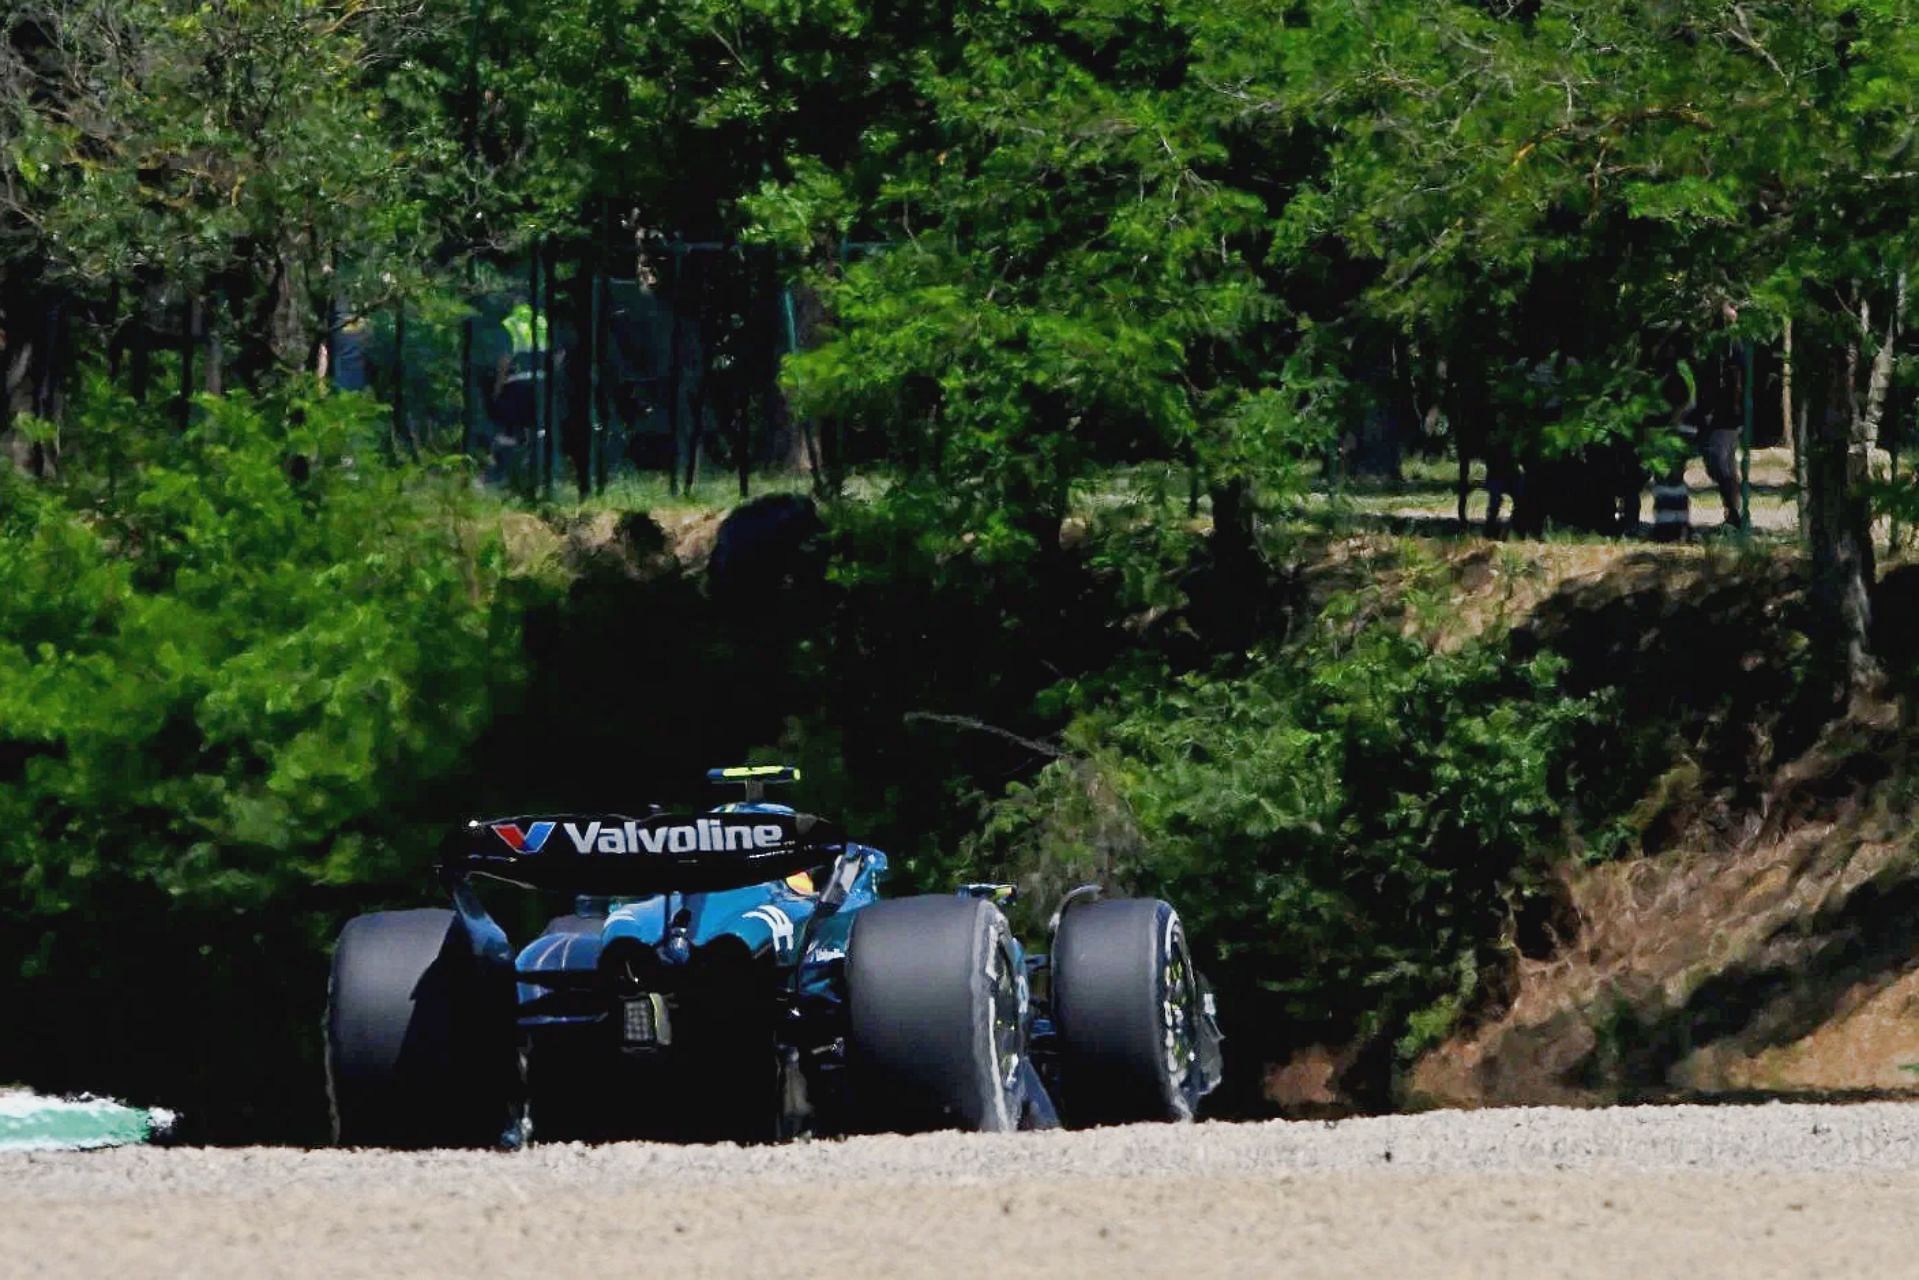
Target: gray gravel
{"points": [[1787, 1190]]}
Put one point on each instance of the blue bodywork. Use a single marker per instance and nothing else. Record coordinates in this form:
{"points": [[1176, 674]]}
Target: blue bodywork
{"points": [[705, 965], [674, 994], [675, 928]]}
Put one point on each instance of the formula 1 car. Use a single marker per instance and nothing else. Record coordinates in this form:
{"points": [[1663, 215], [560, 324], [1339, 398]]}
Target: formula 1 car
{"points": [[734, 975]]}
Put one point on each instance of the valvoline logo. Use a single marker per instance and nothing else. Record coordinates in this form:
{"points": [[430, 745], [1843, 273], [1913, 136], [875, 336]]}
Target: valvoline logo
{"points": [[531, 840]]}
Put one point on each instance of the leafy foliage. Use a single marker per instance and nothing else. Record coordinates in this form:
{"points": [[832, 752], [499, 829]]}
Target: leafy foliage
{"points": [[268, 155], [219, 678], [1353, 828], [1068, 285], [1039, 244], [223, 683]]}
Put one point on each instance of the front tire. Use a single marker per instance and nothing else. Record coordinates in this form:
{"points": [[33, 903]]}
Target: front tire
{"points": [[1127, 1010], [420, 1048], [937, 1016]]}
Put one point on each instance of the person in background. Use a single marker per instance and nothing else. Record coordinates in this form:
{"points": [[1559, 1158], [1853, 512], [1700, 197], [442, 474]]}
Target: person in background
{"points": [[517, 379], [349, 356], [1503, 479], [1719, 417]]}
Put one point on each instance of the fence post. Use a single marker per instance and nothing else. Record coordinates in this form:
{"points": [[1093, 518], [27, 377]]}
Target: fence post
{"points": [[675, 383], [402, 434], [595, 420], [190, 326], [1745, 443], [550, 391], [468, 424], [533, 452], [470, 123]]}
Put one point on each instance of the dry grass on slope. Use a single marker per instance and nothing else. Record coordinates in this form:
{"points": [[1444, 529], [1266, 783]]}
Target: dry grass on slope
{"points": [[1749, 922], [1767, 938], [1698, 973]]}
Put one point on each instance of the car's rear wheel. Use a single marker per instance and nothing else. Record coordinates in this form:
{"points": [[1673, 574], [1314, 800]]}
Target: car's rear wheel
{"points": [[937, 1035], [421, 1042], [1127, 1011]]}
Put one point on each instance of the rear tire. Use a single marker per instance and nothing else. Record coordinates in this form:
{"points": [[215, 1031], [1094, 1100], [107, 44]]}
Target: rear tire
{"points": [[421, 1041], [1127, 1011], [937, 1016]]}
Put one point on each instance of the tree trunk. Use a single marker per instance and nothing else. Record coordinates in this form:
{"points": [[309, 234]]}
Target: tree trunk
{"points": [[1466, 401], [141, 330], [1879, 376], [276, 324], [555, 428], [1839, 521], [743, 442], [213, 378], [805, 315], [1235, 543], [1792, 427], [696, 435], [33, 332], [16, 382], [675, 381], [402, 424], [189, 339], [50, 396]]}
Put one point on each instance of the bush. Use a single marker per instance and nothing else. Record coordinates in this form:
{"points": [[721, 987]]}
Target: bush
{"points": [[225, 677], [1350, 827]]}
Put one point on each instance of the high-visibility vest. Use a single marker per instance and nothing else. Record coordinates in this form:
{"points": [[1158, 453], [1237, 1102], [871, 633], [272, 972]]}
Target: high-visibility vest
{"points": [[527, 330]]}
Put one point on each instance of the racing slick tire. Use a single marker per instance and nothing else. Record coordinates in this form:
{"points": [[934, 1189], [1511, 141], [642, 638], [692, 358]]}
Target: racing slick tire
{"points": [[1126, 1011], [421, 1042], [936, 1008]]}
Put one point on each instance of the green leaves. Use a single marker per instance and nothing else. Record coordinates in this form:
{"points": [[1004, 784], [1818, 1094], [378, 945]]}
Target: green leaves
{"points": [[1351, 823], [1068, 286], [248, 655]]}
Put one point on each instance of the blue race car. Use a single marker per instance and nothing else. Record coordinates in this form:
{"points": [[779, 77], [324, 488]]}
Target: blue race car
{"points": [[734, 974]]}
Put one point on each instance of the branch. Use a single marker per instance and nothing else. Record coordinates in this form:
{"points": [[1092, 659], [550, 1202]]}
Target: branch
{"points": [[1743, 34], [1880, 379], [1046, 749]]}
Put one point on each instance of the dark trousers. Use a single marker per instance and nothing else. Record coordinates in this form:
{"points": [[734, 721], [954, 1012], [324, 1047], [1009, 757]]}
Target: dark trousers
{"points": [[1721, 447]]}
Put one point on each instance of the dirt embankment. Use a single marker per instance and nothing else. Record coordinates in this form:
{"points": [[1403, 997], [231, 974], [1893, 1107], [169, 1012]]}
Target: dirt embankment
{"points": [[631, 544], [1748, 922], [1788, 967]]}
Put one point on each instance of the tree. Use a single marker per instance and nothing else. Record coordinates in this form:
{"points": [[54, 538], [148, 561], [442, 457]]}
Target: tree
{"points": [[1687, 154], [225, 175], [1068, 278]]}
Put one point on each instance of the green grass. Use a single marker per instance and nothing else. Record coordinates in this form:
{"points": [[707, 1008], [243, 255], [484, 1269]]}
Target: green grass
{"points": [[652, 492], [1425, 491]]}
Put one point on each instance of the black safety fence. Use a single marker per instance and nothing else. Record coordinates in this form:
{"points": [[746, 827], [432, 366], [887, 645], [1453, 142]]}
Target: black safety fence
{"points": [[553, 372]]}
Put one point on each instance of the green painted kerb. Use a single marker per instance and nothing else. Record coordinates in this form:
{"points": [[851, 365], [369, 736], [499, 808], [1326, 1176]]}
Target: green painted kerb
{"points": [[29, 1122]]}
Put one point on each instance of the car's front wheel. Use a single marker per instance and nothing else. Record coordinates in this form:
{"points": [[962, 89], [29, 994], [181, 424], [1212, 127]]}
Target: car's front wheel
{"points": [[937, 1016]]}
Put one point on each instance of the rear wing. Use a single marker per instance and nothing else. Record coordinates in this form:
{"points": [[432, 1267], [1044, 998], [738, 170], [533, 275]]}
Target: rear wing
{"points": [[618, 855]]}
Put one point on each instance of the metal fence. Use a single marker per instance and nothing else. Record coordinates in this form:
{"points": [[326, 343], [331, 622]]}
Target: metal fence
{"points": [[555, 373]]}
